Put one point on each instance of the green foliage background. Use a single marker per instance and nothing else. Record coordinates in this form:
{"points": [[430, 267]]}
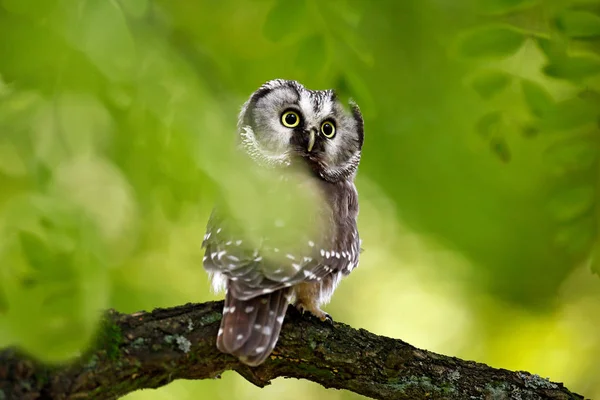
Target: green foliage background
{"points": [[478, 182]]}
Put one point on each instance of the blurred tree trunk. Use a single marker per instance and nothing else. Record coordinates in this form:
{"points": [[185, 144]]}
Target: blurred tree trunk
{"points": [[149, 350]]}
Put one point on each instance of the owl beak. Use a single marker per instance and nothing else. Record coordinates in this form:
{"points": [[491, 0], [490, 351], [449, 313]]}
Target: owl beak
{"points": [[311, 140]]}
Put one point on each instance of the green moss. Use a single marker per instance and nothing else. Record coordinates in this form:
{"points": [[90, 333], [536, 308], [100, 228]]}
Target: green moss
{"points": [[109, 339], [2, 395]]}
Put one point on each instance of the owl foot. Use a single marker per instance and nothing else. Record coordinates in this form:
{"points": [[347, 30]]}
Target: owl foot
{"points": [[314, 311]]}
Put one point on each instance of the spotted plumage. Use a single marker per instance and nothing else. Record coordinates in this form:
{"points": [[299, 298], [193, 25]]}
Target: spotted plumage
{"points": [[309, 139]]}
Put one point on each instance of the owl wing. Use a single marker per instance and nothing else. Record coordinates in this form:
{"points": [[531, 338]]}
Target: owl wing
{"points": [[252, 271]]}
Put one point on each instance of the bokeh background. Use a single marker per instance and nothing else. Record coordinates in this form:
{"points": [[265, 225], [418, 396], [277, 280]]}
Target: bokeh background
{"points": [[478, 183]]}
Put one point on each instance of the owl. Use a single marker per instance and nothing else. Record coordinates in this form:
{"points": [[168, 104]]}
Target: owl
{"points": [[293, 132]]}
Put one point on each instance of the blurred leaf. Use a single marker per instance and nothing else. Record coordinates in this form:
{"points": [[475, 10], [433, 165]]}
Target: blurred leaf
{"points": [[595, 260], [489, 83], [572, 155], [489, 124], [503, 6], [530, 130], [573, 68], [55, 279], [284, 18], [312, 56], [571, 113], [11, 162], [555, 49], [31, 8], [569, 204], [135, 8], [490, 42], [538, 99], [500, 148], [101, 190], [70, 124], [37, 254], [42, 57], [590, 95], [111, 50], [350, 87], [576, 239], [579, 24]]}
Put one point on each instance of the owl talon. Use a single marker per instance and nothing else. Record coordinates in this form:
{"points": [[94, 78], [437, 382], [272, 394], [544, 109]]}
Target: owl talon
{"points": [[314, 312]]}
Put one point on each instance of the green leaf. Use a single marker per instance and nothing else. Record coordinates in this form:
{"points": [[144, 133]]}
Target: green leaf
{"points": [[490, 42], [576, 239], [569, 204], [530, 130], [595, 259], [489, 124], [500, 148], [32, 8], [554, 49], [572, 113], [284, 18], [112, 50], [351, 86], [498, 7], [11, 162], [489, 83], [579, 24], [572, 156], [537, 98], [312, 56], [101, 190], [135, 8], [573, 68], [54, 276], [35, 250]]}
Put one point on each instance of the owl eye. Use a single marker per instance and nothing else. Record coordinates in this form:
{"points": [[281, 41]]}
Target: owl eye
{"points": [[328, 129], [290, 119]]}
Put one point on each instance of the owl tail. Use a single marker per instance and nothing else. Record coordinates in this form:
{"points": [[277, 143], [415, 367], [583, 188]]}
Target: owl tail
{"points": [[250, 328]]}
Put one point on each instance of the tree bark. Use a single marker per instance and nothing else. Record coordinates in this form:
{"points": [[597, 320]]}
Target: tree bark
{"points": [[149, 350]]}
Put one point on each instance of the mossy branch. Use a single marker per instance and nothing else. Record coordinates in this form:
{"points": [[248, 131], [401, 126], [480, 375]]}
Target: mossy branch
{"points": [[149, 350]]}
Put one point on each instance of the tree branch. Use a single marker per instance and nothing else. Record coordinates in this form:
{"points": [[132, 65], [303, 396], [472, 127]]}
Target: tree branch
{"points": [[149, 350]]}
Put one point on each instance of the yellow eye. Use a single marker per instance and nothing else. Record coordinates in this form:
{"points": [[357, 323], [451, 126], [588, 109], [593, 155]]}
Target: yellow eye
{"points": [[290, 119], [328, 129]]}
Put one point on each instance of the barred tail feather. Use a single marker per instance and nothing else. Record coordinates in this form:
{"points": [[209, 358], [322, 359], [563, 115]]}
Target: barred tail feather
{"points": [[250, 328]]}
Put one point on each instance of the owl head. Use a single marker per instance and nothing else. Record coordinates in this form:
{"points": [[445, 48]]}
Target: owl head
{"points": [[285, 124]]}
